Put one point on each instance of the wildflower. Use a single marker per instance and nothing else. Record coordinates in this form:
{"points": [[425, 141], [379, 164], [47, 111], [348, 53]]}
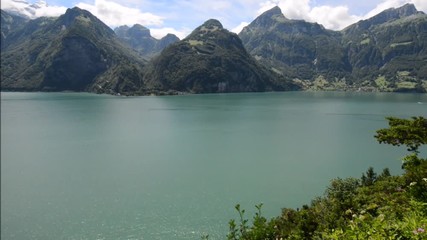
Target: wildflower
{"points": [[425, 179], [418, 231], [412, 183]]}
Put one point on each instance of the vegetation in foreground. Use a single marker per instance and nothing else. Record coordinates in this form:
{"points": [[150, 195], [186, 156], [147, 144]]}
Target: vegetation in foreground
{"points": [[376, 206]]}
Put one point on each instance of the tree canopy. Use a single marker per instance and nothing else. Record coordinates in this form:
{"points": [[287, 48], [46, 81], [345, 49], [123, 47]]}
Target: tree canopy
{"points": [[410, 132]]}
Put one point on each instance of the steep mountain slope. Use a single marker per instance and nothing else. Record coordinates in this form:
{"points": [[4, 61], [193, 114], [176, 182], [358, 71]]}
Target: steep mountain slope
{"points": [[139, 38], [295, 48], [384, 53], [389, 50], [73, 52], [9, 23], [211, 59]]}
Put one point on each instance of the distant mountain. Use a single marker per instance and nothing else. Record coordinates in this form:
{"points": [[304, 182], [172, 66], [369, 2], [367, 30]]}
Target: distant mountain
{"points": [[139, 38], [75, 51], [211, 59], [384, 53]]}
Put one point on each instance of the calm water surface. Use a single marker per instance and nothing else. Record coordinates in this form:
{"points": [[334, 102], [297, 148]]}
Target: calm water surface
{"points": [[82, 166]]}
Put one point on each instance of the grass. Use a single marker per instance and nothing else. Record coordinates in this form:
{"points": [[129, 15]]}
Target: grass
{"points": [[365, 41], [408, 85], [195, 42]]}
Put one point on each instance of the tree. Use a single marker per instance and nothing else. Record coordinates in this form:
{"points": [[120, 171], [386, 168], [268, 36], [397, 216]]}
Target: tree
{"points": [[410, 132]]}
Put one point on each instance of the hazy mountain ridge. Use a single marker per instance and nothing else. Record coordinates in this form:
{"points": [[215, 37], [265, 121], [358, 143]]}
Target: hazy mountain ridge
{"points": [[139, 38]]}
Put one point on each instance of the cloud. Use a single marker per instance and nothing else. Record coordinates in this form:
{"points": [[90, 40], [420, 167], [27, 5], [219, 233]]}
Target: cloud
{"points": [[331, 17], [385, 5], [39, 9], [239, 28], [161, 32], [421, 5], [50, 11], [335, 18], [114, 14], [290, 8]]}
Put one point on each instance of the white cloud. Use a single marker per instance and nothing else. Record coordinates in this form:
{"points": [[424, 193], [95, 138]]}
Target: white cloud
{"points": [[50, 11], [332, 17], [39, 9], [239, 28], [421, 5], [291, 9], [161, 32], [385, 5], [114, 14]]}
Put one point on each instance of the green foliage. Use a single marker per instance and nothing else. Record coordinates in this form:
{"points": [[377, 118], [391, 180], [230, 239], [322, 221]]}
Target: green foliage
{"points": [[410, 132], [376, 206]]}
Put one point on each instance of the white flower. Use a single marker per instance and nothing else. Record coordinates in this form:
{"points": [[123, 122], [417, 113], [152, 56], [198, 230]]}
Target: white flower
{"points": [[425, 179], [412, 183]]}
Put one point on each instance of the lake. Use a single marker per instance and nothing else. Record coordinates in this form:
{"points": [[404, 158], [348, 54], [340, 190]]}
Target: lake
{"points": [[85, 166]]}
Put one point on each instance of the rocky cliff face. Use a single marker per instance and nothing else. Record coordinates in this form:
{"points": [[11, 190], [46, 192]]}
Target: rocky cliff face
{"points": [[73, 52], [139, 38], [211, 59]]}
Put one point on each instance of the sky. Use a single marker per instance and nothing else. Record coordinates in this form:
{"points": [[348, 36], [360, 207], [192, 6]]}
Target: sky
{"points": [[180, 17]]}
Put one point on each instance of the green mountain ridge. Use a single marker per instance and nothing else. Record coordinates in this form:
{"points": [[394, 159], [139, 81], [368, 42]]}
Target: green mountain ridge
{"points": [[211, 59], [75, 51], [383, 53], [78, 52]]}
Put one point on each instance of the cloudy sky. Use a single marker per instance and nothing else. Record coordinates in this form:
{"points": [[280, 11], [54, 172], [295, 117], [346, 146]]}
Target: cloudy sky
{"points": [[182, 16]]}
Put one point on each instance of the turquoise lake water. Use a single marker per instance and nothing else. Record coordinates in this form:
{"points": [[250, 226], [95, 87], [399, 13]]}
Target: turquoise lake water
{"points": [[84, 166]]}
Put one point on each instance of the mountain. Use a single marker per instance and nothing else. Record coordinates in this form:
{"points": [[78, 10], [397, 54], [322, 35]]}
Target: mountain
{"points": [[384, 53], [389, 50], [211, 59], [139, 38], [75, 51], [295, 48], [9, 23]]}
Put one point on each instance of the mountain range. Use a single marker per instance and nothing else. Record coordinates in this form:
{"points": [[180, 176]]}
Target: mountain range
{"points": [[78, 52]]}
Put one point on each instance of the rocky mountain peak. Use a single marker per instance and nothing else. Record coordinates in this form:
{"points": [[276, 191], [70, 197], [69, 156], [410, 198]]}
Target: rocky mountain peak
{"points": [[383, 17], [72, 13], [272, 12], [212, 24], [139, 31], [269, 18], [406, 10]]}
